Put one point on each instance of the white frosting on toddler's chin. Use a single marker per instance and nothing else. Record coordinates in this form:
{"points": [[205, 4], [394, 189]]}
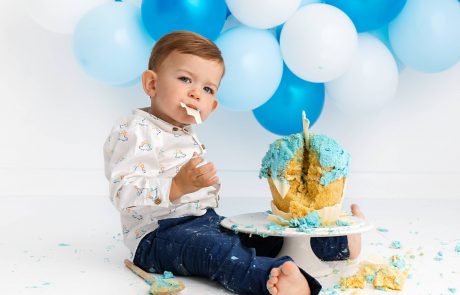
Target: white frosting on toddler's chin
{"points": [[192, 112]]}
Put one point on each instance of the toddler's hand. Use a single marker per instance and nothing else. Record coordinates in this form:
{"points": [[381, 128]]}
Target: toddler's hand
{"points": [[192, 178]]}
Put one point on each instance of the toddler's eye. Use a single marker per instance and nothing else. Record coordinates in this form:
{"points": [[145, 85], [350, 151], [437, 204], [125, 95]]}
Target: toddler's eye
{"points": [[185, 79], [209, 90]]}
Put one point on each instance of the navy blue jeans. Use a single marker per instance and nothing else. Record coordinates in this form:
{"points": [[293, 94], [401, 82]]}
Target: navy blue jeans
{"points": [[199, 246]]}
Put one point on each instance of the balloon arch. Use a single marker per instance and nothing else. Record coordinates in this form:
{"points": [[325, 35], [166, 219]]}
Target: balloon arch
{"points": [[299, 50]]}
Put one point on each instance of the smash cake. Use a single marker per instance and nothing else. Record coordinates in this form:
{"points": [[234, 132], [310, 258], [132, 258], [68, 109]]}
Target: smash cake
{"points": [[379, 273], [307, 174]]}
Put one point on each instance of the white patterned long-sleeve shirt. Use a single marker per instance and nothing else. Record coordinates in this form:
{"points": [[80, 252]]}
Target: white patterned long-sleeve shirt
{"points": [[141, 155]]}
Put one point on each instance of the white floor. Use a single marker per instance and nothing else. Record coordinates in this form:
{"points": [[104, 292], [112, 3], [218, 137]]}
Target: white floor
{"points": [[70, 245]]}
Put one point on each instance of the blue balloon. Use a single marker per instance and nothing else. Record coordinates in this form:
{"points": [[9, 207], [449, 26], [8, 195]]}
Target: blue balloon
{"points": [[282, 114], [426, 34], [253, 67], [111, 44], [369, 14], [205, 17]]}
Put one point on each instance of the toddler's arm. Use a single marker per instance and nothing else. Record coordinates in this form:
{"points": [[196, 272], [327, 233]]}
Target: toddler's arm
{"points": [[133, 169]]}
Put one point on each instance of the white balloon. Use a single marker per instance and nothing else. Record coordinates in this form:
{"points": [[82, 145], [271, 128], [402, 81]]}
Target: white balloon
{"points": [[60, 16], [370, 82], [263, 14], [318, 42]]}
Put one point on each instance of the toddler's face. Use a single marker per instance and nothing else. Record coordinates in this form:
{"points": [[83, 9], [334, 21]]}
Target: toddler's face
{"points": [[189, 79]]}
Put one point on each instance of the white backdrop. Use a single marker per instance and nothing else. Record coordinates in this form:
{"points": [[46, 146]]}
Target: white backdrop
{"points": [[54, 120]]}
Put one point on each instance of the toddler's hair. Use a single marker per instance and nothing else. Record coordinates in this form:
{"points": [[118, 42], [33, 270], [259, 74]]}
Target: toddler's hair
{"points": [[185, 42]]}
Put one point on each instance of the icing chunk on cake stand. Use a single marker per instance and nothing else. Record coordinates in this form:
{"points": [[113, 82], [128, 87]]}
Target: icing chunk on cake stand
{"points": [[296, 243]]}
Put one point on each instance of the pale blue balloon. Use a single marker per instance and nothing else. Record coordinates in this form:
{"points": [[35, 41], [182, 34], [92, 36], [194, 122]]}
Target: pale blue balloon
{"points": [[253, 68], [111, 43], [426, 34]]}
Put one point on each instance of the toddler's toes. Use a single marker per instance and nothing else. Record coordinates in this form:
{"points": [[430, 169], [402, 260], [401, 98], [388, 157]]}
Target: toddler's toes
{"points": [[275, 272], [273, 290], [288, 268], [356, 211], [272, 281]]}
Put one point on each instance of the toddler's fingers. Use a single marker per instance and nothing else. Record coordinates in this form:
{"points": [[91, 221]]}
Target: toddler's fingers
{"points": [[193, 162], [209, 182], [205, 169], [207, 174]]}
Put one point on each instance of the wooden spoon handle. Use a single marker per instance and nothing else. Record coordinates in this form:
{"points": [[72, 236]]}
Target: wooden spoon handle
{"points": [[140, 272]]}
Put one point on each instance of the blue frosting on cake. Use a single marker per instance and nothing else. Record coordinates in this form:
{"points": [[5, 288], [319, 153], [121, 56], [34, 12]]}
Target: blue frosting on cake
{"points": [[283, 150], [331, 154], [280, 152]]}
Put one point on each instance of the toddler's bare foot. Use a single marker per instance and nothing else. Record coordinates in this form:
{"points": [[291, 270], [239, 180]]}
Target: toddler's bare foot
{"points": [[356, 211], [287, 279], [354, 241]]}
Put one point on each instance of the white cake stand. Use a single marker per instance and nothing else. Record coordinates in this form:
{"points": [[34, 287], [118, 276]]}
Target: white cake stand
{"points": [[296, 244]]}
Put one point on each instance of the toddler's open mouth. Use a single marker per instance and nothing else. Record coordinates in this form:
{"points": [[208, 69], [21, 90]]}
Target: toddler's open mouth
{"points": [[192, 107], [192, 111]]}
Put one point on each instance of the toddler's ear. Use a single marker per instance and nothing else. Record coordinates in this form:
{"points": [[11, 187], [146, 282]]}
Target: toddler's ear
{"points": [[215, 104], [149, 79]]}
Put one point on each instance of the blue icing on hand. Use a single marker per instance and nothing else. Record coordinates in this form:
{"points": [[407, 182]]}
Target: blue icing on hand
{"points": [[332, 155], [280, 152]]}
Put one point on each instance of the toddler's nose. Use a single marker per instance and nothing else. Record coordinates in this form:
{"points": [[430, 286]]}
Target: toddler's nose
{"points": [[195, 94]]}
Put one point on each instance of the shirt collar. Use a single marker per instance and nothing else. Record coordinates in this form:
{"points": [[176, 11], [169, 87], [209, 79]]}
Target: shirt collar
{"points": [[168, 127]]}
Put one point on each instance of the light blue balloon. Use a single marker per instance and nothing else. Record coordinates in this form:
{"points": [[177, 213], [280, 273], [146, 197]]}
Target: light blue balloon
{"points": [[253, 68], [426, 34], [205, 17], [282, 114], [111, 44]]}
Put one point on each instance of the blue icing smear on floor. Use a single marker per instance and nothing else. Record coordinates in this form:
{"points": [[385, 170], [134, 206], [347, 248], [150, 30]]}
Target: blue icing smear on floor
{"points": [[395, 245]]}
